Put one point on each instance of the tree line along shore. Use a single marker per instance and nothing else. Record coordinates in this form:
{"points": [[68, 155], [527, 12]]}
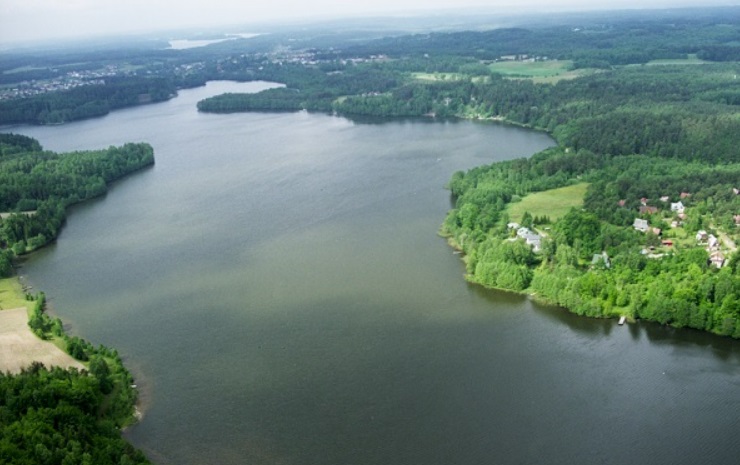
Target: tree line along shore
{"points": [[646, 173], [73, 410]]}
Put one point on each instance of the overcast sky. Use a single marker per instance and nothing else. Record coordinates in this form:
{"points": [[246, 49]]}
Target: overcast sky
{"points": [[23, 20]]}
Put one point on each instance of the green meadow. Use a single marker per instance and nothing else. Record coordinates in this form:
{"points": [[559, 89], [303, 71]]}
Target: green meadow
{"points": [[553, 203]]}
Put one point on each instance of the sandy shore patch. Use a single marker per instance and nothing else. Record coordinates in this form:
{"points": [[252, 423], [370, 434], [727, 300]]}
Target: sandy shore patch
{"points": [[19, 347]]}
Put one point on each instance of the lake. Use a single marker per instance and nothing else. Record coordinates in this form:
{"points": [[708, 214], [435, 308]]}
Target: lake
{"points": [[278, 288]]}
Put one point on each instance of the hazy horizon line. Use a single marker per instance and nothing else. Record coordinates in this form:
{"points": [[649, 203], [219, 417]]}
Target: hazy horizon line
{"points": [[229, 27]]}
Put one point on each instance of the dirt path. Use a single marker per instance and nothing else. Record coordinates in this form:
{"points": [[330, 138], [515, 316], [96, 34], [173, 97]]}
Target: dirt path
{"points": [[19, 346]]}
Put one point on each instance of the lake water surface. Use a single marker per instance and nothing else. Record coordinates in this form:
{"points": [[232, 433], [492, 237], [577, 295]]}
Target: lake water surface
{"points": [[277, 285]]}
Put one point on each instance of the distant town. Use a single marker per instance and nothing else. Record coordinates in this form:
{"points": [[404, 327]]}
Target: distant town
{"points": [[68, 81]]}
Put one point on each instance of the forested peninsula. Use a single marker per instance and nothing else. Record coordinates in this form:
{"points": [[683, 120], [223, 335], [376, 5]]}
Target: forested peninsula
{"points": [[647, 143], [37, 186], [48, 414]]}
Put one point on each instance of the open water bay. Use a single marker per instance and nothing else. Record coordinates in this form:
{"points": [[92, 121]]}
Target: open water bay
{"points": [[277, 285]]}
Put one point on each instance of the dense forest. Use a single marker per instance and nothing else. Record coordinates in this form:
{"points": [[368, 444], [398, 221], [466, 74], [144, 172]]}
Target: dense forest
{"points": [[37, 186], [56, 416], [85, 101], [590, 41], [52, 416]]}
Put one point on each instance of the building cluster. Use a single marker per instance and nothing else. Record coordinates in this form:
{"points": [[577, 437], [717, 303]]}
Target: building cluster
{"points": [[68, 81], [709, 241], [524, 57], [677, 208], [712, 246], [531, 238]]}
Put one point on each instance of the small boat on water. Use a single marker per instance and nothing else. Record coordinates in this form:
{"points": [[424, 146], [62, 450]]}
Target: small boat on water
{"points": [[622, 319]]}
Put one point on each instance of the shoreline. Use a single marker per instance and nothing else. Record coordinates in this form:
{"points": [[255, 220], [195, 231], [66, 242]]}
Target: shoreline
{"points": [[533, 296]]}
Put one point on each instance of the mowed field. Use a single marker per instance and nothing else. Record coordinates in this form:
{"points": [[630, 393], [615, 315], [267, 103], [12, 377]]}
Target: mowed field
{"points": [[553, 203], [19, 347], [542, 72], [11, 294]]}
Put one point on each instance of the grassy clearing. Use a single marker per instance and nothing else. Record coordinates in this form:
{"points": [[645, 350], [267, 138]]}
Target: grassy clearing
{"points": [[437, 76], [539, 72], [531, 68], [563, 76], [553, 203], [11, 294], [686, 61]]}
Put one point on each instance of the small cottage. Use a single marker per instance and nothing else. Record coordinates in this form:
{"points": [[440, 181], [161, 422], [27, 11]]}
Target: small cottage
{"points": [[641, 225], [717, 259], [534, 240]]}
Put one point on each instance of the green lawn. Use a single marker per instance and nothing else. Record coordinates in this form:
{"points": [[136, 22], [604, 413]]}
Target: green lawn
{"points": [[11, 294], [550, 71], [553, 203], [540, 72], [685, 61], [531, 68]]}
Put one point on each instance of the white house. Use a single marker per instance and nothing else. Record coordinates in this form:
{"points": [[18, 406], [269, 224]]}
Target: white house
{"points": [[534, 240], [641, 225]]}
